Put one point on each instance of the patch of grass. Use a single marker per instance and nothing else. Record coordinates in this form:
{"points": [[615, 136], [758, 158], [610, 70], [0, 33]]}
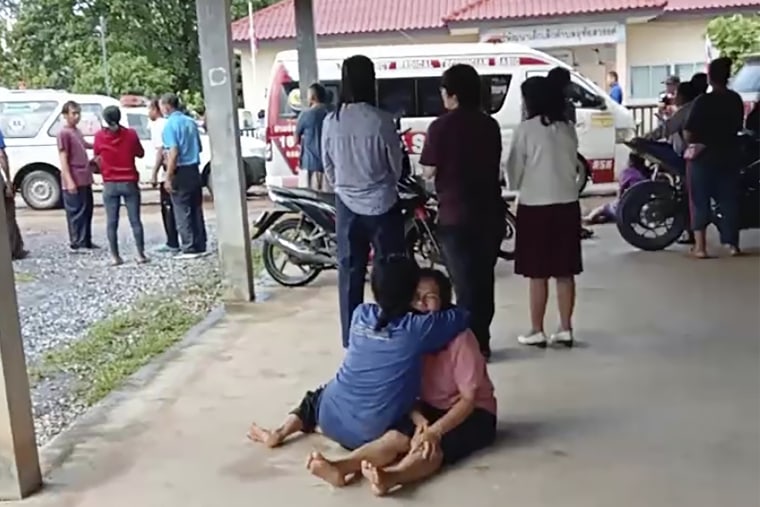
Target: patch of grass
{"points": [[23, 277], [115, 348], [257, 260]]}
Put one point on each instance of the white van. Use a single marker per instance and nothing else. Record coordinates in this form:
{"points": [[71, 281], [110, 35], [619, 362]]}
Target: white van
{"points": [[31, 119], [408, 84]]}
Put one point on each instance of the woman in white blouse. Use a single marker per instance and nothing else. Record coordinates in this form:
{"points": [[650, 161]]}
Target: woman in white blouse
{"points": [[542, 168]]}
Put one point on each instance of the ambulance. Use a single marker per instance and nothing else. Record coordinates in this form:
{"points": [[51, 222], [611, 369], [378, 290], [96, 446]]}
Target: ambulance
{"points": [[408, 85]]}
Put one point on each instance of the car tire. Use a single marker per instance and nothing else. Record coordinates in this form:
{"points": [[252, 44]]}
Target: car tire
{"points": [[41, 190]]}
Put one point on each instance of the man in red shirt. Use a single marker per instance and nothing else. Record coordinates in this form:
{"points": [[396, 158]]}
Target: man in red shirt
{"points": [[116, 148]]}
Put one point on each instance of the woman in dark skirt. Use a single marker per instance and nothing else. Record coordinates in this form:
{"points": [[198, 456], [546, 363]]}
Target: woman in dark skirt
{"points": [[541, 167]]}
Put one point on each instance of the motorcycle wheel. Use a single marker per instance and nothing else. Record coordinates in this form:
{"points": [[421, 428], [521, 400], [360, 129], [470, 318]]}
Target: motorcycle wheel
{"points": [[649, 218], [507, 248], [584, 173], [423, 248], [293, 229]]}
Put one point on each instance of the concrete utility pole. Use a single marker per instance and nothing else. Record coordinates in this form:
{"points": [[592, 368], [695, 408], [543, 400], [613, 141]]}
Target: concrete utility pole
{"points": [[306, 43], [20, 471], [228, 178]]}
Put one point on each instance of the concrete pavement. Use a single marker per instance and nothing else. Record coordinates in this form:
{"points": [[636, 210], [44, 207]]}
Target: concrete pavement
{"points": [[658, 406]]}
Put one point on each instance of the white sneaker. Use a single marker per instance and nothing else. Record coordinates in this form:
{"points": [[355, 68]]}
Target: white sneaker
{"points": [[563, 338], [534, 339], [188, 255]]}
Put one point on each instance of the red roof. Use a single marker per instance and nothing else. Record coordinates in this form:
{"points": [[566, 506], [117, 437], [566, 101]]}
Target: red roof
{"points": [[337, 17], [340, 17], [700, 5], [478, 10]]}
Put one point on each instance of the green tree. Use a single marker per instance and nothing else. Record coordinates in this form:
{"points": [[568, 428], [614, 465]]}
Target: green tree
{"points": [[56, 43], [735, 36]]}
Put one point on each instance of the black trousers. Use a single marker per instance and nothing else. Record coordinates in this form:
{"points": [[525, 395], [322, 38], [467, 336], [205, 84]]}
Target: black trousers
{"points": [[167, 217], [79, 208], [476, 432], [470, 253], [14, 233], [187, 198]]}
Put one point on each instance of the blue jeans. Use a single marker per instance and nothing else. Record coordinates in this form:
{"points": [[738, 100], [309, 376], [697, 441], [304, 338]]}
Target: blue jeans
{"points": [[79, 207], [706, 183], [355, 234], [113, 194], [187, 198]]}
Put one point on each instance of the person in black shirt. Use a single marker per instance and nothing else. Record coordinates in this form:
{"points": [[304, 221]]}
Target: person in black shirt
{"points": [[713, 171]]}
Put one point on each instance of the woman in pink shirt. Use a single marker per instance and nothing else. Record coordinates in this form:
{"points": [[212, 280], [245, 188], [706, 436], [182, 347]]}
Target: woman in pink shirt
{"points": [[456, 415]]}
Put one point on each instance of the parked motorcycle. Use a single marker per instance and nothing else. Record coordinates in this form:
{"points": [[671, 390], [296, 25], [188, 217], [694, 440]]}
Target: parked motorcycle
{"points": [[653, 214]]}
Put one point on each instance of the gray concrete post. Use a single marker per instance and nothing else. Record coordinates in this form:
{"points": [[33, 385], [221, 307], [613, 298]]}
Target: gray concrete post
{"points": [[228, 177], [306, 44], [19, 463]]}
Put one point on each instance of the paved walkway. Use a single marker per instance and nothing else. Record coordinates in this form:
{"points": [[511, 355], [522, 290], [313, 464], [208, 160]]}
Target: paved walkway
{"points": [[659, 406]]}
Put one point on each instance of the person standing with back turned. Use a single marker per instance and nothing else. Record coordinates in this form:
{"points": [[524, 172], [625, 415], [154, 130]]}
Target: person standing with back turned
{"points": [[463, 150], [76, 179], [182, 142], [362, 158], [309, 136]]}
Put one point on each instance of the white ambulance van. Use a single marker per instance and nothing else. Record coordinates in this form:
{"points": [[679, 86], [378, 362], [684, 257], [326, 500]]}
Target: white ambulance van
{"points": [[408, 85]]}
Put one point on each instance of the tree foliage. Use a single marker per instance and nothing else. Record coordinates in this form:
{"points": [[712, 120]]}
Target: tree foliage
{"points": [[152, 45], [735, 36]]}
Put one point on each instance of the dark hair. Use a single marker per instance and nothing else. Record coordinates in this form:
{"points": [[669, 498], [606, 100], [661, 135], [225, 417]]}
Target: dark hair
{"points": [[357, 82], [700, 82], [636, 161], [112, 116], [559, 77], [319, 91], [394, 285], [71, 106], [543, 99], [463, 82], [613, 74], [154, 103], [445, 292], [171, 100], [687, 90], [261, 114], [719, 70]]}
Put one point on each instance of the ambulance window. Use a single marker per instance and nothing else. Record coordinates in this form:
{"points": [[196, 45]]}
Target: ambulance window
{"points": [[90, 122], [429, 102], [495, 90], [584, 98], [396, 96], [290, 97], [24, 119]]}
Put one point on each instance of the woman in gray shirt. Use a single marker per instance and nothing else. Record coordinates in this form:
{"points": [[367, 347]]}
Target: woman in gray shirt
{"points": [[362, 158]]}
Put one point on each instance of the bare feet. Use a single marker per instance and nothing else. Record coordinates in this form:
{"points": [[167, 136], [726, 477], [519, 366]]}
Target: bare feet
{"points": [[698, 254], [376, 477], [320, 467], [117, 261], [264, 436], [141, 259]]}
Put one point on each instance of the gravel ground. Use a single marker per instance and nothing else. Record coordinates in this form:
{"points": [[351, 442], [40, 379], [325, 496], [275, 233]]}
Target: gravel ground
{"points": [[61, 295]]}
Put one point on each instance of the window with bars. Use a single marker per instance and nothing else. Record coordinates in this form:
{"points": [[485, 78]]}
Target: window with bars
{"points": [[646, 81]]}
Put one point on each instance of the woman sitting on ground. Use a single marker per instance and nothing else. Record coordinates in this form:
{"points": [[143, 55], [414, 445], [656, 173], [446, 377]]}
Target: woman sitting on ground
{"points": [[366, 407], [456, 415], [636, 172]]}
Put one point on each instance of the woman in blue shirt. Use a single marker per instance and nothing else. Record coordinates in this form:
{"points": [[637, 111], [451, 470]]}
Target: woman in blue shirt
{"points": [[366, 406]]}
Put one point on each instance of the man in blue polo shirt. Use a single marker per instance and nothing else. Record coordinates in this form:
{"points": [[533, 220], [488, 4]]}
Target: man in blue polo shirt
{"points": [[182, 143]]}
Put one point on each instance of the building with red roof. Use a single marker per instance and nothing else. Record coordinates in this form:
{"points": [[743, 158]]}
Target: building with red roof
{"points": [[644, 41]]}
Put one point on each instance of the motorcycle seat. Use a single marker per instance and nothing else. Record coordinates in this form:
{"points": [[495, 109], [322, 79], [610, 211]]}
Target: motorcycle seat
{"points": [[305, 193]]}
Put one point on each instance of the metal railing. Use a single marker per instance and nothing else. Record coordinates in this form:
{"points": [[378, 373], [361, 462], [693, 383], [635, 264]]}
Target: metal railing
{"points": [[645, 116]]}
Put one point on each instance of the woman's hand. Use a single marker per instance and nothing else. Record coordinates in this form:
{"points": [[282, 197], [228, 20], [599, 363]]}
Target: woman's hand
{"points": [[426, 441]]}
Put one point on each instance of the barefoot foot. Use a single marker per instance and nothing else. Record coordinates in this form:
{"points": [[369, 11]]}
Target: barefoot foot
{"points": [[142, 259], [264, 436], [117, 261], [698, 254], [376, 478], [320, 467]]}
